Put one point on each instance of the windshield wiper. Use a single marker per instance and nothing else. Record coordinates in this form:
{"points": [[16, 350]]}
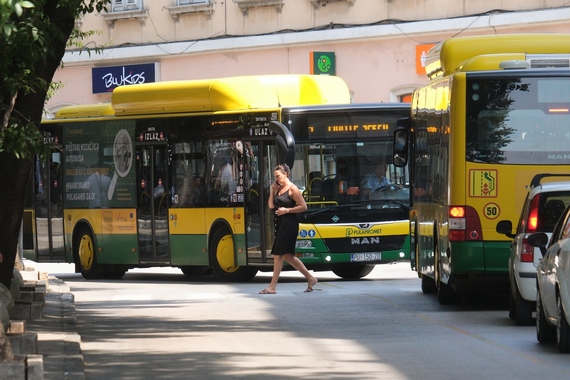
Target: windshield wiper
{"points": [[401, 204], [311, 212]]}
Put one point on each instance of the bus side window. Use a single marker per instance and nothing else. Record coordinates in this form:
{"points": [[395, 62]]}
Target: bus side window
{"points": [[182, 184]]}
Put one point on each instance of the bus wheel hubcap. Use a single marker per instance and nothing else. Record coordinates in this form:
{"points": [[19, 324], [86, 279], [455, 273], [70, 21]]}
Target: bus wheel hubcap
{"points": [[86, 253], [225, 254]]}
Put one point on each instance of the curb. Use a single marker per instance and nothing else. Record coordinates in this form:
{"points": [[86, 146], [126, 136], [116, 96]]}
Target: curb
{"points": [[58, 340]]}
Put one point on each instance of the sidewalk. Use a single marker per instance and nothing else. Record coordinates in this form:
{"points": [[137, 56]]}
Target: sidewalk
{"points": [[58, 340]]}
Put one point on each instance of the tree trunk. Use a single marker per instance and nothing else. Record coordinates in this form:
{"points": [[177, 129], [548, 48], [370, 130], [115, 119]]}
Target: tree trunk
{"points": [[28, 108], [13, 184]]}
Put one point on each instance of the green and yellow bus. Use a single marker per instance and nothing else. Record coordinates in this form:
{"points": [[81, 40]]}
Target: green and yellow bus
{"points": [[495, 113], [177, 174]]}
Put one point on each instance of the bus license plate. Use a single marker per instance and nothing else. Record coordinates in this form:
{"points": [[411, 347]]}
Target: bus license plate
{"points": [[365, 257]]}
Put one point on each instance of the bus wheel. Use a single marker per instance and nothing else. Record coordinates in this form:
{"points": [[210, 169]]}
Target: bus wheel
{"points": [[428, 285], [355, 271], [446, 295], [115, 274], [85, 254], [222, 254]]}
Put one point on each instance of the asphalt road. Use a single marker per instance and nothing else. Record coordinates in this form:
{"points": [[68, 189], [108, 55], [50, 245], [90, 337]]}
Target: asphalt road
{"points": [[156, 323]]}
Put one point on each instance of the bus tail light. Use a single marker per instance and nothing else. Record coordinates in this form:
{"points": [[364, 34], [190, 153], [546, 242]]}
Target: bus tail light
{"points": [[464, 224]]}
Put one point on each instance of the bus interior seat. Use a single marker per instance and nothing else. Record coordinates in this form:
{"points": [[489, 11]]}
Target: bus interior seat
{"points": [[315, 181], [328, 188]]}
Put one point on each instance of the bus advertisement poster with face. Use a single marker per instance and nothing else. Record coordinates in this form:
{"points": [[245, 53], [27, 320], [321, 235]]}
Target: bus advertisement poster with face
{"points": [[98, 164]]}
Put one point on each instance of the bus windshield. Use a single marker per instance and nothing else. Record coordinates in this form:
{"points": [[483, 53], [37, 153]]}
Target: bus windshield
{"points": [[518, 120], [348, 159]]}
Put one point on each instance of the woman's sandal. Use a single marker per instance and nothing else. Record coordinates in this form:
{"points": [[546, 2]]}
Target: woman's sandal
{"points": [[265, 291], [310, 287]]}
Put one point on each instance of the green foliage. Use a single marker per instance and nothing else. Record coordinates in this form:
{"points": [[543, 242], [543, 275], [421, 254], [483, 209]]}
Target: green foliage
{"points": [[22, 141], [29, 33], [9, 8]]}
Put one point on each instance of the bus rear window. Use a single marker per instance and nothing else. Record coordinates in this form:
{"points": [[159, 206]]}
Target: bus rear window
{"points": [[514, 121]]}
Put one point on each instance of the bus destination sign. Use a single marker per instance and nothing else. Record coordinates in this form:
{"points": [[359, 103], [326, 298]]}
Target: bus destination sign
{"points": [[342, 131]]}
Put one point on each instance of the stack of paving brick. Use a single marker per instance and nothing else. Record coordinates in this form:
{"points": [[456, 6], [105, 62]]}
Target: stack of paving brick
{"points": [[21, 358]]}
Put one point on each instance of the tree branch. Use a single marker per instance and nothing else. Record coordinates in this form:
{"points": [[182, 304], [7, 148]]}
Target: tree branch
{"points": [[8, 113]]}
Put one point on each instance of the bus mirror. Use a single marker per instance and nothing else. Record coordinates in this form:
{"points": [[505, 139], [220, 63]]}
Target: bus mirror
{"points": [[400, 147], [285, 143], [505, 227]]}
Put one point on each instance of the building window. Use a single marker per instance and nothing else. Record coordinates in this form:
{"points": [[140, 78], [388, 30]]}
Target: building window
{"points": [[126, 5]]}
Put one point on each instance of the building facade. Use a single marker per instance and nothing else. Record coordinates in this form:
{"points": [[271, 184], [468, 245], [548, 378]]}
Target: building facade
{"points": [[376, 46]]}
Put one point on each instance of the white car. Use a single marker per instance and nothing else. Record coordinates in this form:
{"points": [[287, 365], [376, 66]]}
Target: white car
{"points": [[553, 282], [544, 204]]}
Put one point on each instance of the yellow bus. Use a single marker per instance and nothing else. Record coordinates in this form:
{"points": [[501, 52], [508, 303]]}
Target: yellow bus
{"points": [[495, 113], [177, 174]]}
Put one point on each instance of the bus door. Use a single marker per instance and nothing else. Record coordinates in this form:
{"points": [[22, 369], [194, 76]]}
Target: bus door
{"points": [[49, 207], [152, 203], [261, 159]]}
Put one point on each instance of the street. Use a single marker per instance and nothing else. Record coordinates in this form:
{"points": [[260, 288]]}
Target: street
{"points": [[156, 323]]}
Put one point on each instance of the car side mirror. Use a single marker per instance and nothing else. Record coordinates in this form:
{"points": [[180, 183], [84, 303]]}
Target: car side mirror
{"points": [[539, 239], [505, 227]]}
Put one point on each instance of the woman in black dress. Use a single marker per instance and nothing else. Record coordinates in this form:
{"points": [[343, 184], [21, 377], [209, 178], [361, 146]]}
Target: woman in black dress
{"points": [[286, 200]]}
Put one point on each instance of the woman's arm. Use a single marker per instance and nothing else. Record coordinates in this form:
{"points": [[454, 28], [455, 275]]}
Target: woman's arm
{"points": [[296, 195], [272, 190]]}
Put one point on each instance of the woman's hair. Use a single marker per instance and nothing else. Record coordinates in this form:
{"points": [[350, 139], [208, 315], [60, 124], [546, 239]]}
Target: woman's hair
{"points": [[284, 168]]}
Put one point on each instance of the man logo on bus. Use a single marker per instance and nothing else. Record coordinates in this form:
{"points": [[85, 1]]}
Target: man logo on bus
{"points": [[324, 63]]}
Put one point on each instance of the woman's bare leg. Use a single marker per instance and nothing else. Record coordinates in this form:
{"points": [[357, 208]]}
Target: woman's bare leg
{"points": [[298, 264], [277, 266]]}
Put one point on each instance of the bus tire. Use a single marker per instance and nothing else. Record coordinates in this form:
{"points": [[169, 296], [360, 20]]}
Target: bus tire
{"points": [[190, 271], [115, 274], [446, 295], [85, 254], [354, 271], [428, 285], [222, 252]]}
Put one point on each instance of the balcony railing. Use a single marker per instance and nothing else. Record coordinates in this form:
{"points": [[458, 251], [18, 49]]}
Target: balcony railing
{"points": [[126, 5], [323, 3], [191, 6], [124, 10], [246, 5]]}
